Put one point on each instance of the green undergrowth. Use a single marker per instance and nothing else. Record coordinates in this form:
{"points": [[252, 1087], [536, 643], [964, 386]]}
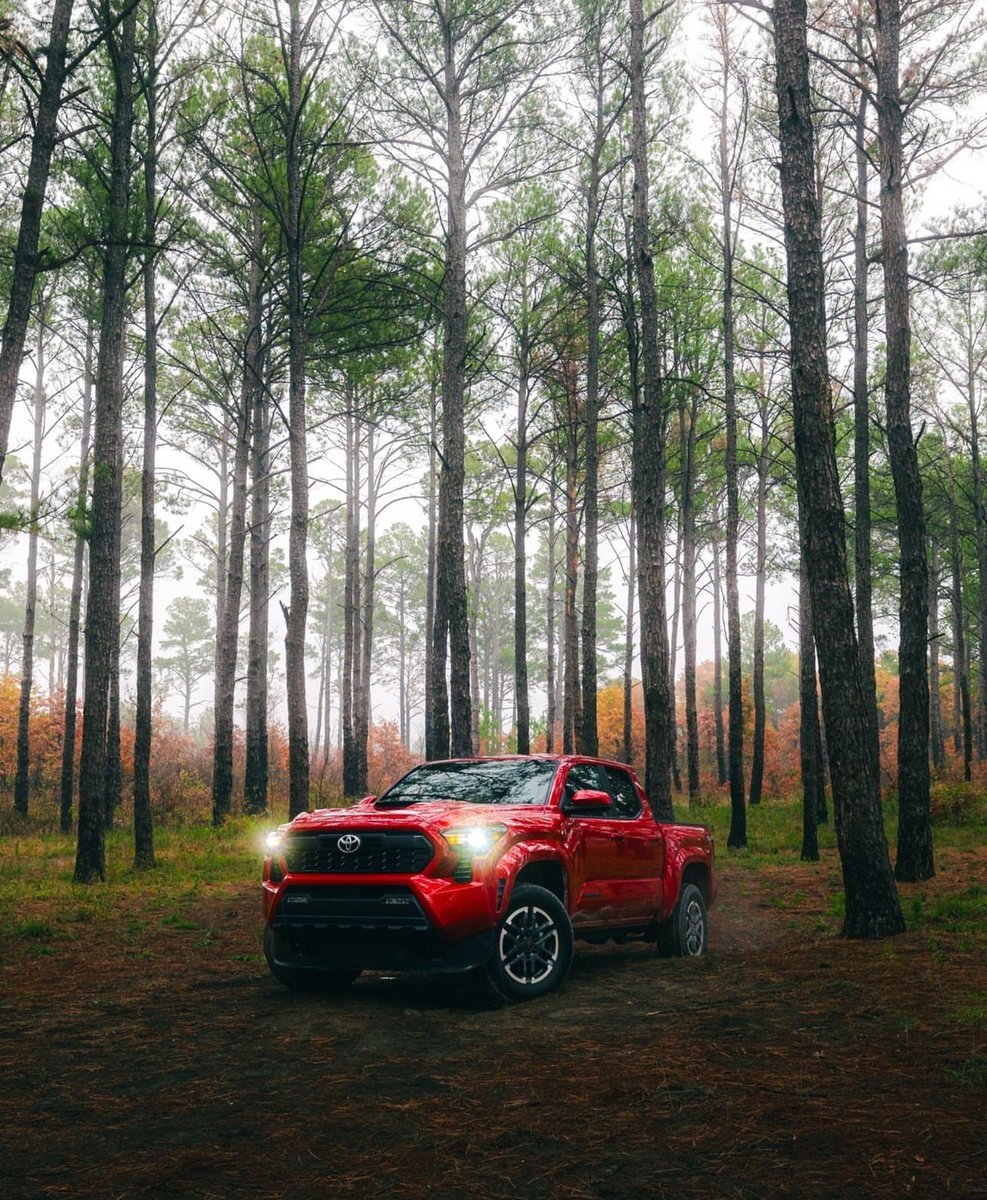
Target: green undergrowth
{"points": [[40, 903]]}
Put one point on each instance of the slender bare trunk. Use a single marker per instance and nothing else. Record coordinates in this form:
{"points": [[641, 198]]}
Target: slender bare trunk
{"points": [[75, 601], [915, 854], [648, 457], [872, 905], [26, 256], [22, 778], [103, 606]]}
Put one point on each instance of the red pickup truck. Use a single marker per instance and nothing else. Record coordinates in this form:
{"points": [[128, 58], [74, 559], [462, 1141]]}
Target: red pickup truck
{"points": [[487, 864]]}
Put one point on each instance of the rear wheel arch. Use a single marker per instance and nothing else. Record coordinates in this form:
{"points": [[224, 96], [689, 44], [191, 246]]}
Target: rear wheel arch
{"points": [[697, 873]]}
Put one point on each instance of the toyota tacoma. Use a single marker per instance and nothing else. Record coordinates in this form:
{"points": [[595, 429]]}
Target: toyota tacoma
{"points": [[493, 865]]}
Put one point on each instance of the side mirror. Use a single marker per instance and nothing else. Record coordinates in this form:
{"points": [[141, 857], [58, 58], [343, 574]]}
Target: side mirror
{"points": [[587, 800]]}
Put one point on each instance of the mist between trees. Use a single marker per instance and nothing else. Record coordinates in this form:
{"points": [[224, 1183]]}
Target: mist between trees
{"points": [[624, 304]]}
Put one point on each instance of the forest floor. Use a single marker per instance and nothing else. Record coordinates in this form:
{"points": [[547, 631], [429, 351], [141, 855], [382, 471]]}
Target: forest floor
{"points": [[146, 1052]]}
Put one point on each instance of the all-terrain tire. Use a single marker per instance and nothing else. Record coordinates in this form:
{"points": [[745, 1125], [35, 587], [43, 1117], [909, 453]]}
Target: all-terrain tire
{"points": [[686, 932], [532, 945]]}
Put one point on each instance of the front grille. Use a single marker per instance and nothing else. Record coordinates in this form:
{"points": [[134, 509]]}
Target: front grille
{"points": [[379, 853]]}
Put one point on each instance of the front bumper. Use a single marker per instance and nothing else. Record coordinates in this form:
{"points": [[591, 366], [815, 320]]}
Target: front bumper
{"points": [[406, 923]]}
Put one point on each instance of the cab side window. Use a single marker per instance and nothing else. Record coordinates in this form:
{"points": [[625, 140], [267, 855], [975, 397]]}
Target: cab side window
{"points": [[586, 775], [626, 801]]}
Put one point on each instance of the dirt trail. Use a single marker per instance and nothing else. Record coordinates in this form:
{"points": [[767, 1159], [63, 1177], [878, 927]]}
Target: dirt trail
{"points": [[783, 1064]]}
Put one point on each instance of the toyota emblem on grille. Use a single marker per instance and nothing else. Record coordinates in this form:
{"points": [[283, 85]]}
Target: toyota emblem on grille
{"points": [[349, 843]]}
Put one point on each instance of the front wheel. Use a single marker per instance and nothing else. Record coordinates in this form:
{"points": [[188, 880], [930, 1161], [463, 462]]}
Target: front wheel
{"points": [[533, 945], [686, 932], [304, 979]]}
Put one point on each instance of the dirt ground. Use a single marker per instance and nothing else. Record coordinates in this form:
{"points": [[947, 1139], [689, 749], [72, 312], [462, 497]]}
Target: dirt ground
{"points": [[161, 1060]]}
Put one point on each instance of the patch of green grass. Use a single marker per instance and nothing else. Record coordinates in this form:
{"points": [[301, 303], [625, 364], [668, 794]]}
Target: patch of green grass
{"points": [[38, 931], [972, 1072], [177, 921], [974, 1013]]}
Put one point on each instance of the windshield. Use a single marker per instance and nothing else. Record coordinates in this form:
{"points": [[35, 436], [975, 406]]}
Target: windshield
{"points": [[491, 781]]}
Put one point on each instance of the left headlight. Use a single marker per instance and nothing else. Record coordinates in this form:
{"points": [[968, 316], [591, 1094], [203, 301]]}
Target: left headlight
{"points": [[476, 840], [273, 841]]}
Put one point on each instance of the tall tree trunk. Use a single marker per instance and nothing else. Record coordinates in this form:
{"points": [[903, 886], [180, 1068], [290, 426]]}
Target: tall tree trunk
{"points": [[351, 602], [591, 500], [452, 718], [861, 424], [228, 633], [648, 458], [520, 558], [915, 856], [629, 639], [571, 699], [297, 614], [22, 777], [103, 604], [937, 744], [256, 767], [721, 756], [960, 668], [757, 748], [26, 257], [143, 824], [673, 645], [551, 692], [475, 560], [872, 905], [75, 601], [432, 705], [980, 531], [737, 837], [809, 734], [688, 437], [369, 577], [113, 782]]}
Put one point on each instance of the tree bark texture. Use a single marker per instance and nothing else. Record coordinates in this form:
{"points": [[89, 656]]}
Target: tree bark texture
{"points": [[737, 837], [523, 723], [872, 905], [937, 744], [648, 458], [26, 256], [591, 488], [861, 425], [256, 767], [809, 732], [761, 568], [297, 616], [67, 784], [689, 640], [143, 824], [23, 775], [103, 603], [452, 726], [571, 700], [228, 633], [915, 855]]}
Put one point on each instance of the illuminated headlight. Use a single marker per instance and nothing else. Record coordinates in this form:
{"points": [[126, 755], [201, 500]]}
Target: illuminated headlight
{"points": [[273, 841], [475, 840]]}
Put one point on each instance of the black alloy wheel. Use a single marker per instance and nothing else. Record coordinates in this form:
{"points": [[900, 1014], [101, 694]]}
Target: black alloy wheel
{"points": [[686, 932], [533, 947]]}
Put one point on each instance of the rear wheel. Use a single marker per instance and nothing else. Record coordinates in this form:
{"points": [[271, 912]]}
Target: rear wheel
{"points": [[686, 932], [533, 945], [304, 979]]}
